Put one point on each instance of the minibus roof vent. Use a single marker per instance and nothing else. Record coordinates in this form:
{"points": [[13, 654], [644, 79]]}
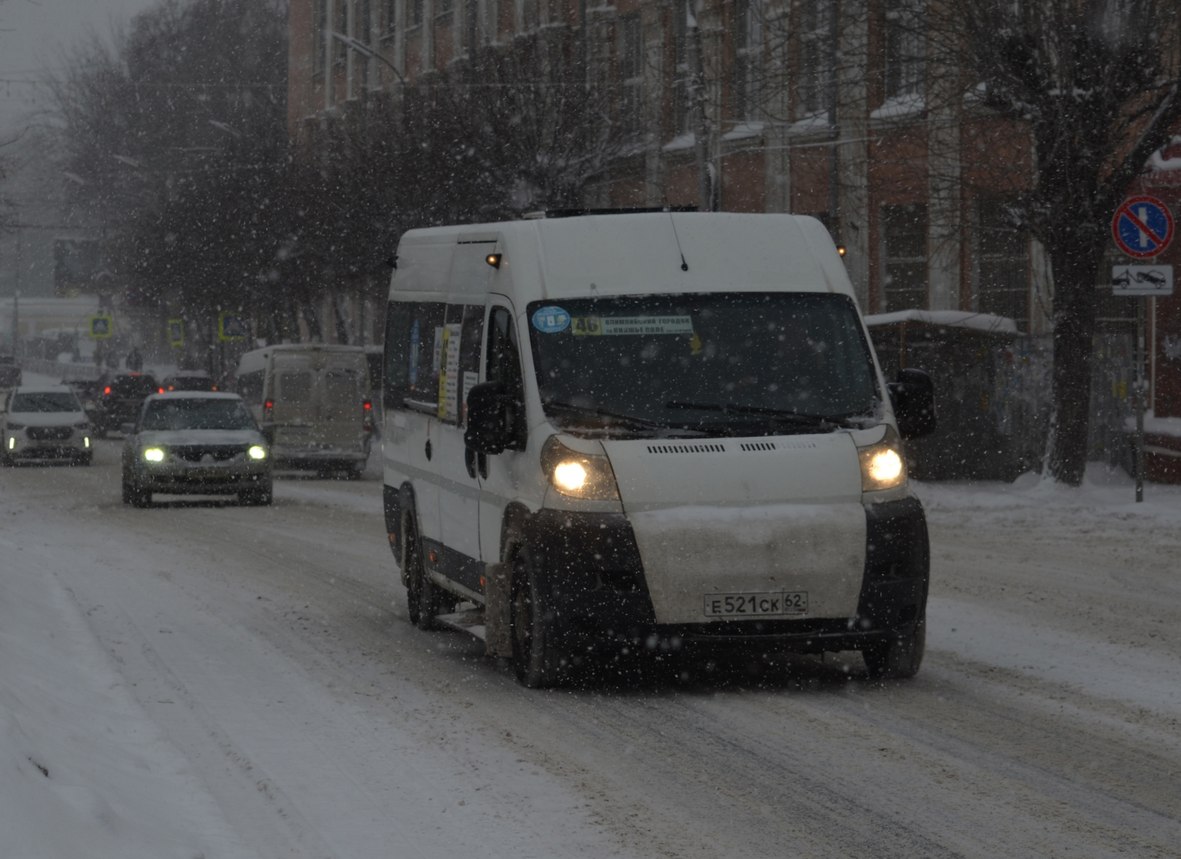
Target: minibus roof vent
{"points": [[578, 213]]}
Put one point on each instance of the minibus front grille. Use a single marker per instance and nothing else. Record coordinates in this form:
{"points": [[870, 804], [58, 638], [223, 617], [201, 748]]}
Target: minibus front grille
{"points": [[686, 448]]}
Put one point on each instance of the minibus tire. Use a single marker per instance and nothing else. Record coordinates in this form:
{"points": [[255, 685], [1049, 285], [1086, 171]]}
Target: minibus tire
{"points": [[424, 599], [537, 661], [898, 657], [415, 573]]}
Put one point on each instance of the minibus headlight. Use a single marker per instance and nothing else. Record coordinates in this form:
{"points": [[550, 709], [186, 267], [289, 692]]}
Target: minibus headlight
{"points": [[257, 452], [882, 464], [578, 475], [153, 454]]}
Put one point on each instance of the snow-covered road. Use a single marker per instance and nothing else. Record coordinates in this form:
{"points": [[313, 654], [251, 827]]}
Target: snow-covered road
{"points": [[203, 680]]}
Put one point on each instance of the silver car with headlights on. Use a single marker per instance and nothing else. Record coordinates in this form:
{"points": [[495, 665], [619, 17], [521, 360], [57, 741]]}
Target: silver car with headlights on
{"points": [[195, 443]]}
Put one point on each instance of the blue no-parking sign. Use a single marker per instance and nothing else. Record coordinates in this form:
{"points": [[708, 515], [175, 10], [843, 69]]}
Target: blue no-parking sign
{"points": [[1142, 226]]}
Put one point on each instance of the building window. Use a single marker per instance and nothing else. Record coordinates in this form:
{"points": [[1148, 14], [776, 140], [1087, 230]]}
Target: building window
{"points": [[530, 16], [682, 110], [815, 60], [361, 32], [470, 27], [631, 74], [904, 257], [320, 23], [553, 12], [904, 47], [748, 52], [1002, 264], [389, 17], [341, 25]]}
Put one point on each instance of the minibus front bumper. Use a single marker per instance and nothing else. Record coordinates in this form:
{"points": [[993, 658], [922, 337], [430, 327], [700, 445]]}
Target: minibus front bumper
{"points": [[590, 568]]}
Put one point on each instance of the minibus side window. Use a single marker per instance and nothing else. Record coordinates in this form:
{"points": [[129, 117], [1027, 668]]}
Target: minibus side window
{"points": [[413, 335], [469, 350], [504, 366]]}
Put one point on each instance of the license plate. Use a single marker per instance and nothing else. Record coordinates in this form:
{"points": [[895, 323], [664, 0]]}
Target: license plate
{"points": [[779, 604]]}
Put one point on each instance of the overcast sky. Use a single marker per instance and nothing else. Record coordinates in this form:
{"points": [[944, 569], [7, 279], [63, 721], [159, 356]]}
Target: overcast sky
{"points": [[36, 34]]}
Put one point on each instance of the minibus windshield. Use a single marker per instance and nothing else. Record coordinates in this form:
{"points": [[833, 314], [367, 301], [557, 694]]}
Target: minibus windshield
{"points": [[710, 364]]}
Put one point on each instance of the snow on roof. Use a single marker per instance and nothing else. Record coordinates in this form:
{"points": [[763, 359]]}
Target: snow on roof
{"points": [[1167, 158], [949, 318]]}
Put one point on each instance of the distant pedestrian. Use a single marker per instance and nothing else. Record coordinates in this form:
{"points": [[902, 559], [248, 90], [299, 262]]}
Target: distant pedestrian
{"points": [[135, 361]]}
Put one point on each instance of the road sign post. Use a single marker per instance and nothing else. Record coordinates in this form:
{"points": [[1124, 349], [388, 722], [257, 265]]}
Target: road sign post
{"points": [[1142, 228]]}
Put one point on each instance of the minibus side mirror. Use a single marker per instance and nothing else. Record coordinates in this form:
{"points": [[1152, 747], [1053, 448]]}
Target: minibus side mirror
{"points": [[913, 397], [488, 429]]}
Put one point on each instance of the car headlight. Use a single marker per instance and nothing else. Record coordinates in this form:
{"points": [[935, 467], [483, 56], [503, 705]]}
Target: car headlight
{"points": [[153, 454], [882, 464], [578, 475], [256, 452]]}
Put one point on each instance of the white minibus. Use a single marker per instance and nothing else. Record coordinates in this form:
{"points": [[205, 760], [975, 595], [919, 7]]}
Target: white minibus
{"points": [[657, 431]]}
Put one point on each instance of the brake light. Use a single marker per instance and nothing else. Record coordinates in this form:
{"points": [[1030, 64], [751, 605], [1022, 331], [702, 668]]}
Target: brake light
{"points": [[367, 414], [160, 391], [107, 391], [213, 387], [267, 408]]}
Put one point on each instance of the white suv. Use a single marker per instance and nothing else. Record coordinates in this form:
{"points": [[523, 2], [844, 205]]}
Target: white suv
{"points": [[45, 422]]}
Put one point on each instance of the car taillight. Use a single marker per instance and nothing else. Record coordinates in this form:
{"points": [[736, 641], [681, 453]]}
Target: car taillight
{"points": [[107, 391], [267, 408], [367, 414], [160, 391]]}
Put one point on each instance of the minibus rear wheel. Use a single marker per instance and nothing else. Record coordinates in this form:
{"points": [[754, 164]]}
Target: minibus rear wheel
{"points": [[424, 599]]}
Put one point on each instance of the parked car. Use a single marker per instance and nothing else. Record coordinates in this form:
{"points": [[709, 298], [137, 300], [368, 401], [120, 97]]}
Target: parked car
{"points": [[189, 380], [195, 443], [120, 400], [44, 422]]}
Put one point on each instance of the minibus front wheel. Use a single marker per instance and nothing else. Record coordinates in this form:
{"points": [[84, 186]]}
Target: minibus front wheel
{"points": [[898, 657], [537, 659]]}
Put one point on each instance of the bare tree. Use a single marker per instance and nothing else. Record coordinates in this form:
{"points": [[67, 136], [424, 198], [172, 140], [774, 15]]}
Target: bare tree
{"points": [[1061, 102], [1098, 85], [176, 134]]}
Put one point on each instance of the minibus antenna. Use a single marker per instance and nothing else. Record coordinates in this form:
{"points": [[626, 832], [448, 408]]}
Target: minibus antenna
{"points": [[672, 220]]}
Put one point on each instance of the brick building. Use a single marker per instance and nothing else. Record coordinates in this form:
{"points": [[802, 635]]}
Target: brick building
{"points": [[909, 175]]}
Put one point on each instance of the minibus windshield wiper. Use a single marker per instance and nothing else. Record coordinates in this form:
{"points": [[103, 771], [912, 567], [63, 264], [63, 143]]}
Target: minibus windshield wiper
{"points": [[847, 419], [633, 422]]}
